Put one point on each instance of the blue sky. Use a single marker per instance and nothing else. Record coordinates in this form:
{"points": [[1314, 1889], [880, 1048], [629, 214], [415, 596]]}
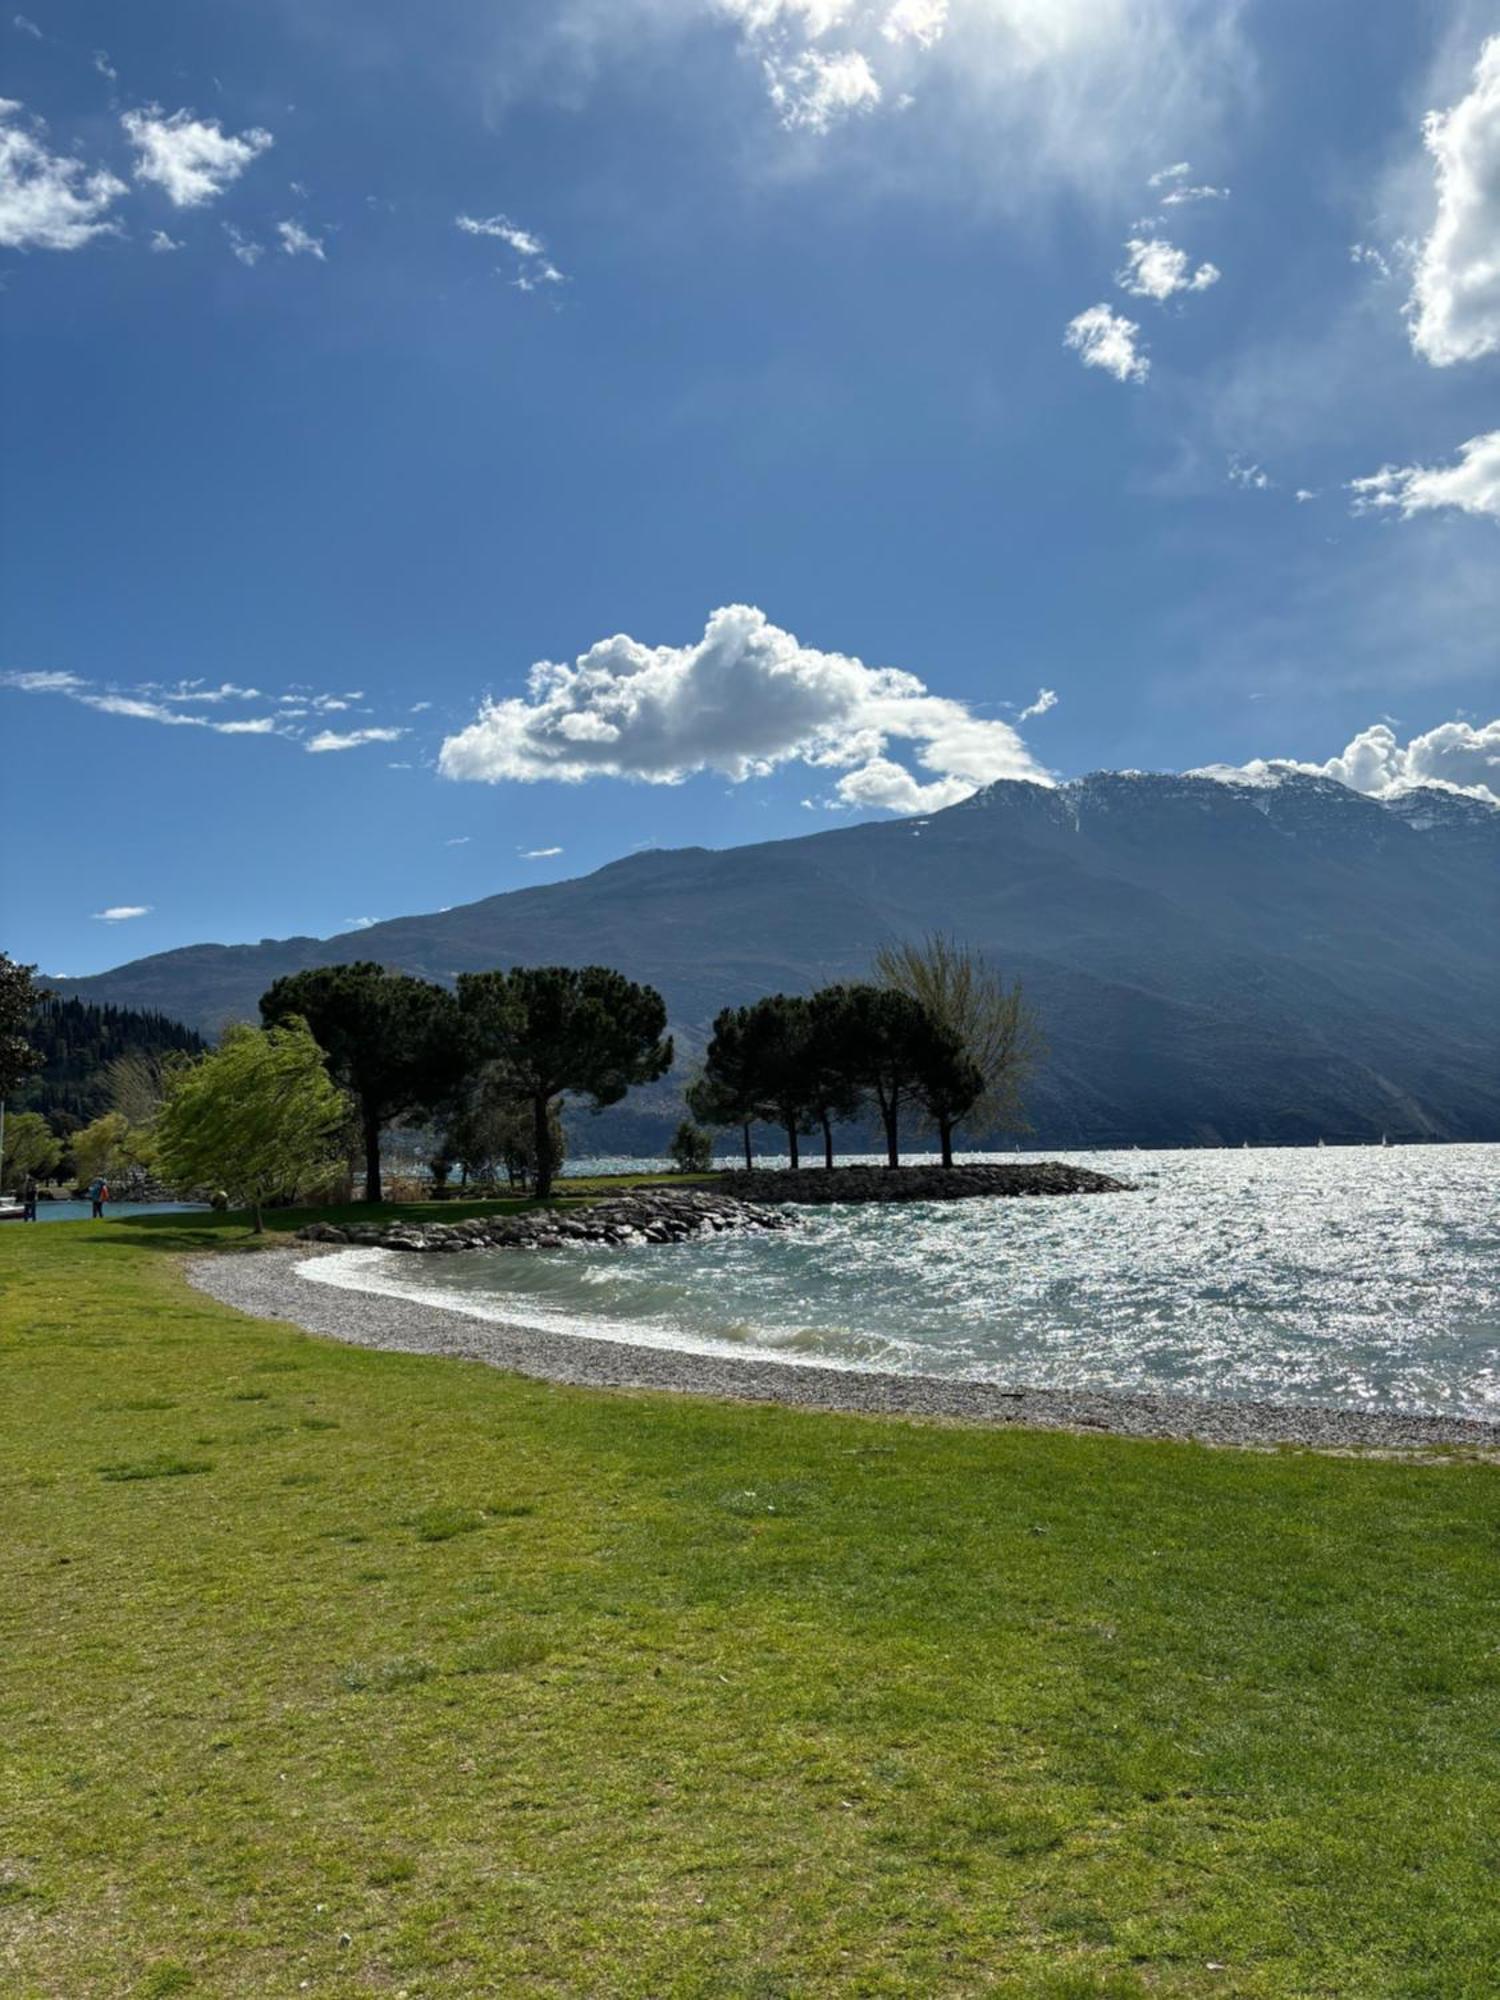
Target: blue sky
{"points": [[820, 386]]}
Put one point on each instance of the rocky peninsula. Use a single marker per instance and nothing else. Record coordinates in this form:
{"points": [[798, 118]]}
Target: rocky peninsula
{"points": [[666, 1213], [816, 1185]]}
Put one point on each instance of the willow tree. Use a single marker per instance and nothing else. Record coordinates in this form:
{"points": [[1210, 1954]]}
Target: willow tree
{"points": [[993, 1023], [258, 1116]]}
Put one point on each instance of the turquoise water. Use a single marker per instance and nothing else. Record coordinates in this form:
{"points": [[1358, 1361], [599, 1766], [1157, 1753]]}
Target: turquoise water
{"points": [[1360, 1277], [79, 1211]]}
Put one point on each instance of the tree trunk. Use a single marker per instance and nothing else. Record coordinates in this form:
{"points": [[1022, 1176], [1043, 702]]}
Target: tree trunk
{"points": [[749, 1156], [791, 1143], [257, 1225], [945, 1138], [372, 1157], [888, 1110], [827, 1142], [542, 1129]]}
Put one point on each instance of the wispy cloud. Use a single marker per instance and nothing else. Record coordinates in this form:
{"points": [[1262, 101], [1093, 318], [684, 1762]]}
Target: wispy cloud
{"points": [[298, 241], [196, 704], [332, 739], [121, 913], [538, 853], [1046, 701], [533, 266], [244, 247]]}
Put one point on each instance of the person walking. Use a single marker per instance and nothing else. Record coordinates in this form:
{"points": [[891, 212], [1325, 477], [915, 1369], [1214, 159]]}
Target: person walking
{"points": [[98, 1195], [28, 1199]]}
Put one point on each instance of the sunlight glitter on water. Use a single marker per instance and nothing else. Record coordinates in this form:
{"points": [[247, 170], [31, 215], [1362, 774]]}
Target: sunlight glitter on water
{"points": [[1364, 1277]]}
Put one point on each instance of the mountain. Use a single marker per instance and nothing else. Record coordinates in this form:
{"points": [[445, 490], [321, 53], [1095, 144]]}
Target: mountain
{"points": [[1214, 957]]}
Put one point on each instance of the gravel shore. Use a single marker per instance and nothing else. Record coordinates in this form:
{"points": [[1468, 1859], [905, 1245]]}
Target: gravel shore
{"points": [[266, 1284]]}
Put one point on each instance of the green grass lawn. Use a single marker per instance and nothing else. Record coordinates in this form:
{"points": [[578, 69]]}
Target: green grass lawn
{"points": [[350, 1673]]}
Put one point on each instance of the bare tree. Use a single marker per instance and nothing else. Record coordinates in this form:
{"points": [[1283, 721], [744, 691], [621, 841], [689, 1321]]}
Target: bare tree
{"points": [[994, 1023]]}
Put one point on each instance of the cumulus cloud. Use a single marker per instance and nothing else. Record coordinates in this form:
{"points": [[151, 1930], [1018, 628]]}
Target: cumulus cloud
{"points": [[744, 699], [161, 244], [352, 739], [48, 201], [121, 913], [192, 160], [298, 241], [1107, 340], [1456, 756], [1455, 300], [1471, 484], [1155, 269]]}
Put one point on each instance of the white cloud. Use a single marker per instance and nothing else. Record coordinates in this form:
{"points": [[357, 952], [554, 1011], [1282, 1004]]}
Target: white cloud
{"points": [[360, 923], [420, 707], [919, 21], [1046, 701], [24, 25], [1107, 340], [162, 244], [1155, 269], [43, 682], [1458, 756], [1254, 478], [183, 706], [121, 913], [1366, 253], [190, 159], [813, 92], [459, 840], [1455, 300], [248, 251], [48, 201], [538, 853], [104, 66], [1471, 484], [1165, 176], [298, 241], [1303, 494], [744, 699], [533, 266], [1179, 196], [501, 227], [329, 739]]}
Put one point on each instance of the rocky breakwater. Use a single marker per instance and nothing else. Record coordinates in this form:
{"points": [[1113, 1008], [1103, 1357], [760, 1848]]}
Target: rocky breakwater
{"points": [[928, 1183], [646, 1215]]}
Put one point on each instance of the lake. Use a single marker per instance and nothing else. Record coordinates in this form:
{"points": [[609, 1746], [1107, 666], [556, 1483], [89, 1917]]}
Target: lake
{"points": [[1359, 1277]]}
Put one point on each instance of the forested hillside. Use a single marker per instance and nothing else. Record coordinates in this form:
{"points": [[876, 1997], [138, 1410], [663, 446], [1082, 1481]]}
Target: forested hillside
{"points": [[78, 1040]]}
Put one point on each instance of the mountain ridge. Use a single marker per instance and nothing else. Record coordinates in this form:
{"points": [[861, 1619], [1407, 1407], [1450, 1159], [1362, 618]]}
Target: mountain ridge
{"points": [[1215, 957]]}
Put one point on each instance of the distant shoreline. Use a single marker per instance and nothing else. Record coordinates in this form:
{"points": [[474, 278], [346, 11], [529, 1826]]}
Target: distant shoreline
{"points": [[266, 1284]]}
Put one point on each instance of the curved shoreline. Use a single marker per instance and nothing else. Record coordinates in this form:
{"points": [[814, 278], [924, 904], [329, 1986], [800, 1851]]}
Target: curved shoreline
{"points": [[266, 1284]]}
